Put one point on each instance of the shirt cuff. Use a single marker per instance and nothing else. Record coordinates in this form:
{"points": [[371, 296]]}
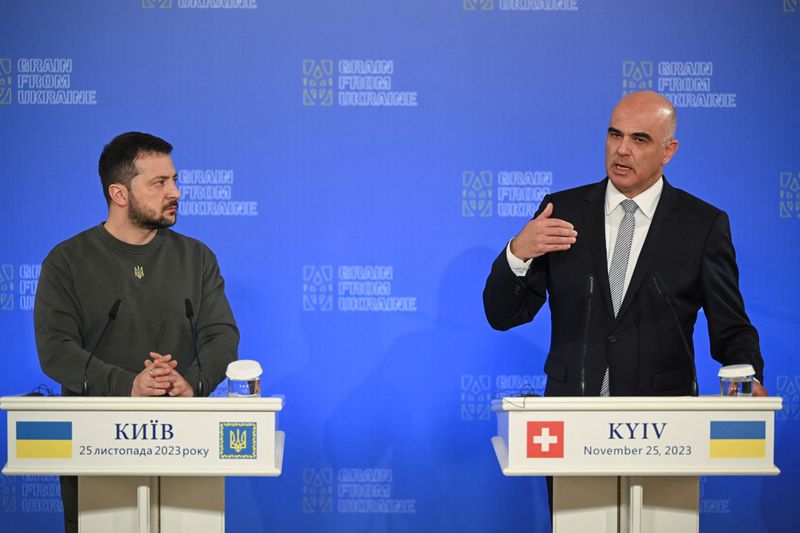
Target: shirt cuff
{"points": [[518, 266]]}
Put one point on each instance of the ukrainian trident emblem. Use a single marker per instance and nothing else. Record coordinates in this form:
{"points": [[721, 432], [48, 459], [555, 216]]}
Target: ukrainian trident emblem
{"points": [[238, 440]]}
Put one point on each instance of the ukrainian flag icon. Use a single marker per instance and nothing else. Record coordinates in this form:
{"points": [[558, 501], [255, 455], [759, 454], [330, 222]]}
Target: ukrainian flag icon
{"points": [[738, 439], [44, 440]]}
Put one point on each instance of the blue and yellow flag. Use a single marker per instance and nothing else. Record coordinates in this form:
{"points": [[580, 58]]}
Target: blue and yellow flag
{"points": [[735, 439], [44, 440]]}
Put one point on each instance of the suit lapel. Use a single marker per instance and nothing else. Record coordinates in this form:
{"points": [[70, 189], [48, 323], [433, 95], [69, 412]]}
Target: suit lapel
{"points": [[663, 220], [595, 227]]}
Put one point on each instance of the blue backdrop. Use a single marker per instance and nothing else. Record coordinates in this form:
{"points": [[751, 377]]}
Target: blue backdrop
{"points": [[356, 166]]}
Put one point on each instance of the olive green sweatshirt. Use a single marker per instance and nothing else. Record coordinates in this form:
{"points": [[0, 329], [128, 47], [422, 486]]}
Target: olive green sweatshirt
{"points": [[83, 276]]}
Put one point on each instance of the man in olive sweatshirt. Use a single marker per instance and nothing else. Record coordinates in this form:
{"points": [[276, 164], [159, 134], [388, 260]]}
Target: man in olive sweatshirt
{"points": [[148, 349]]}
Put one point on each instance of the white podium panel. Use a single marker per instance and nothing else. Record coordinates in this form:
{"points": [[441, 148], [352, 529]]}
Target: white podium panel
{"points": [[145, 464], [636, 436], [143, 436], [633, 464]]}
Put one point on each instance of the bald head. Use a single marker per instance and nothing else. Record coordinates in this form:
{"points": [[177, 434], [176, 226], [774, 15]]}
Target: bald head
{"points": [[640, 141], [654, 106]]}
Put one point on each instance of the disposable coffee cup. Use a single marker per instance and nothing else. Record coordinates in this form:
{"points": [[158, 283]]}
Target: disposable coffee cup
{"points": [[736, 380], [244, 379]]}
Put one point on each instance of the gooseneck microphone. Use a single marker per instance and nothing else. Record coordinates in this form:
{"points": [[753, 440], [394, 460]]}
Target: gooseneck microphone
{"points": [[201, 388], [586, 320], [112, 314], [662, 290]]}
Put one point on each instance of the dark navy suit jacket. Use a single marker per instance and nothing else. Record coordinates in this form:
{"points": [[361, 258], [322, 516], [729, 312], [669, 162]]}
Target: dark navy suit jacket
{"points": [[689, 248]]}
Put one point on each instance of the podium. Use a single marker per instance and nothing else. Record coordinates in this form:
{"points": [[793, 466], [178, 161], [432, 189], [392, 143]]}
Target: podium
{"points": [[633, 464], [145, 464]]}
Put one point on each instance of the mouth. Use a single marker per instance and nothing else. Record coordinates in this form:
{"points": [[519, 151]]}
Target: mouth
{"points": [[172, 208], [621, 169]]}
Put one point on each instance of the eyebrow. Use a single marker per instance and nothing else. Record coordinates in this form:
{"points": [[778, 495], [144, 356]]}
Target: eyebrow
{"points": [[638, 134], [164, 177]]}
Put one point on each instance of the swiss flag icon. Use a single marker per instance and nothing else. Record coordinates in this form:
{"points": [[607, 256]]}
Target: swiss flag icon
{"points": [[546, 439]]}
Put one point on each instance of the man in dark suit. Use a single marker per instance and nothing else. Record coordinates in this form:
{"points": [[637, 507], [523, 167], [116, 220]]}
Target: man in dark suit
{"points": [[638, 242]]}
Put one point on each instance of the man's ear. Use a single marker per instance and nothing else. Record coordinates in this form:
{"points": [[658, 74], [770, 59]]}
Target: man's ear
{"points": [[118, 194], [669, 151]]}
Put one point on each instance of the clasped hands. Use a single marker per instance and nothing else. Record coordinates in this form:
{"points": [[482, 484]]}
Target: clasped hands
{"points": [[159, 378]]}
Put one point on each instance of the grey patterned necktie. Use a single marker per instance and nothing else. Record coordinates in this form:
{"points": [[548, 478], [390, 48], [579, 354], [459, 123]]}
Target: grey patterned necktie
{"points": [[619, 267]]}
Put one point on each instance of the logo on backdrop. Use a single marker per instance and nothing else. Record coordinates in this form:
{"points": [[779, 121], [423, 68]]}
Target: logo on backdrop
{"points": [[357, 491], [8, 494], [361, 288], [476, 397], [353, 83], [317, 490], [7, 287], [710, 505], [521, 5], [5, 80], [790, 195], [209, 192], [41, 81], [200, 4], [478, 5], [476, 194], [317, 288], [237, 440], [789, 390], [637, 76], [318, 82], [687, 84], [477, 392], [545, 439], [790, 6], [18, 286], [30, 494], [515, 193]]}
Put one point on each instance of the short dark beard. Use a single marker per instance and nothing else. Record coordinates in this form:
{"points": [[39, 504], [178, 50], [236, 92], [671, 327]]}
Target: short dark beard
{"points": [[146, 218]]}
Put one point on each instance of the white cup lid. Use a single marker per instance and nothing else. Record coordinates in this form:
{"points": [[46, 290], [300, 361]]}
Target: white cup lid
{"points": [[736, 371], [243, 370]]}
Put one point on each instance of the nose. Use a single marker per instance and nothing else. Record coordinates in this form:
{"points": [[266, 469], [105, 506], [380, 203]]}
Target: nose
{"points": [[173, 192], [624, 146]]}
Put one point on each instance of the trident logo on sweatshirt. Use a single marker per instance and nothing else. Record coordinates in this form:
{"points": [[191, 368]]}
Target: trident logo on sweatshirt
{"points": [[138, 271]]}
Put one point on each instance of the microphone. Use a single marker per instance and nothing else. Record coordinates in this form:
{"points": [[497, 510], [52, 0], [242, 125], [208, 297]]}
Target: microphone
{"points": [[662, 291], [201, 389], [112, 314], [586, 321]]}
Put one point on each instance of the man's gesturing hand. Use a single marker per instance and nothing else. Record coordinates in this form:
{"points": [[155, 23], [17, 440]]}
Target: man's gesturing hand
{"points": [[543, 235]]}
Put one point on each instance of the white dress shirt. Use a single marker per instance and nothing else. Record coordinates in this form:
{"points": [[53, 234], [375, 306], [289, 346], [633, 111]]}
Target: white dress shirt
{"points": [[647, 202]]}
